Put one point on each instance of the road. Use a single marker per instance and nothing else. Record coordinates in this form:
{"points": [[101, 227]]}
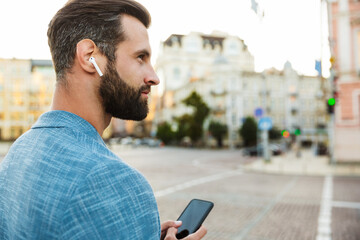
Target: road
{"points": [[249, 205]]}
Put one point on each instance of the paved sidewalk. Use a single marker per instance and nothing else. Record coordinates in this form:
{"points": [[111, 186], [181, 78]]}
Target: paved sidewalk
{"points": [[307, 164]]}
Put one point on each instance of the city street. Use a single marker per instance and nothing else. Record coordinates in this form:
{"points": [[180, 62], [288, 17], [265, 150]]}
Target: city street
{"points": [[249, 205], [279, 79]]}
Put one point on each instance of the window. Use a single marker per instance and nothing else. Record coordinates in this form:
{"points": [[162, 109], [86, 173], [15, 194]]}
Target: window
{"points": [[233, 119], [176, 73], [232, 47], [17, 116], [233, 101], [192, 44]]}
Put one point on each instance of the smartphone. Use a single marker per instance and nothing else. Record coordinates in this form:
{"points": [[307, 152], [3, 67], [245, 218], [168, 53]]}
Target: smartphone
{"points": [[193, 216]]}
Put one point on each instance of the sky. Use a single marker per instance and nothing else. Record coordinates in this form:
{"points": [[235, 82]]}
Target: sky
{"points": [[290, 30]]}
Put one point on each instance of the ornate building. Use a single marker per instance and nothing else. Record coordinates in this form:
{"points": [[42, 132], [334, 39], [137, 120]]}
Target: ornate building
{"points": [[221, 69]]}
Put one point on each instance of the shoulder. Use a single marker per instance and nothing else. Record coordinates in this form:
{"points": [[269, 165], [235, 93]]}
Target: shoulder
{"points": [[111, 171], [113, 200]]}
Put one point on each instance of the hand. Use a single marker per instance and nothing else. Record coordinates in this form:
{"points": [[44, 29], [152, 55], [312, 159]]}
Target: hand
{"points": [[199, 234], [169, 224]]}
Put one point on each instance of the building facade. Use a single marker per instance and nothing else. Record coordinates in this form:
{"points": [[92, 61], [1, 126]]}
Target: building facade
{"points": [[26, 88], [26, 91], [344, 29], [221, 69]]}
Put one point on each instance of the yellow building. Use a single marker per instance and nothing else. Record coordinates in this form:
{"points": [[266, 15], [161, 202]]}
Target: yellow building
{"points": [[26, 89]]}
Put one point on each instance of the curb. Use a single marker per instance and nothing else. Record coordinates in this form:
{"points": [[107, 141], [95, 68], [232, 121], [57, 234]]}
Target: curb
{"points": [[314, 166]]}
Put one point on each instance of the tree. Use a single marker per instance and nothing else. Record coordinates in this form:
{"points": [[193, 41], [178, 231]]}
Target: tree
{"points": [[274, 133], [218, 131], [183, 129], [248, 131], [196, 120], [165, 133]]}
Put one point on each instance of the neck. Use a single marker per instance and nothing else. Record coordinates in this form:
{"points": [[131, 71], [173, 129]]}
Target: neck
{"points": [[83, 102]]}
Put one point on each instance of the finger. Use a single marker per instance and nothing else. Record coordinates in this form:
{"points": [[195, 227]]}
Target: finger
{"points": [[199, 234], [171, 234], [169, 224]]}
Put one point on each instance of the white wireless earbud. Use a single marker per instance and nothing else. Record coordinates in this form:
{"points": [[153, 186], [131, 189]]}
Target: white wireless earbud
{"points": [[92, 60]]}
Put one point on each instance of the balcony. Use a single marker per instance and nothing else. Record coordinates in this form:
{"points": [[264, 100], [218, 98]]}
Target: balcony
{"points": [[218, 92], [218, 110]]}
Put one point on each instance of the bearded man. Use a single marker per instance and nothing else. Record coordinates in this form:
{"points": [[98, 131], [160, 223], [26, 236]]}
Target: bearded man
{"points": [[59, 180]]}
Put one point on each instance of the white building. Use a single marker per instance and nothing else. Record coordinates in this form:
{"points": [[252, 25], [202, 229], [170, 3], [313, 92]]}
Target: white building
{"points": [[221, 69]]}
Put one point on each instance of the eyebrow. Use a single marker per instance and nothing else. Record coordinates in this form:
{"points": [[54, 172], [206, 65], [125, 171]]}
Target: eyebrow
{"points": [[143, 51]]}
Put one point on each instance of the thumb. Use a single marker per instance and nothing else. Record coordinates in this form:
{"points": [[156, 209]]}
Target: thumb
{"points": [[168, 224]]}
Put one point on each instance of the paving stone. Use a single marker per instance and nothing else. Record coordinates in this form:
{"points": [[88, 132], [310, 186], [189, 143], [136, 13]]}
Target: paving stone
{"points": [[345, 224], [248, 205]]}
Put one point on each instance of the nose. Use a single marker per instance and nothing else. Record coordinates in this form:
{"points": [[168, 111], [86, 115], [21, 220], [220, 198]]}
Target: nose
{"points": [[151, 77]]}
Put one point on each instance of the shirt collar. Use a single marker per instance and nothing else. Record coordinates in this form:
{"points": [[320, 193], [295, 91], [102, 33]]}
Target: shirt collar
{"points": [[63, 119]]}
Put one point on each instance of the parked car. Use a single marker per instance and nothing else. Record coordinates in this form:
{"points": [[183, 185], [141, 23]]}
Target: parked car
{"points": [[150, 142], [258, 150], [251, 151], [113, 141], [275, 149], [127, 141], [321, 149]]}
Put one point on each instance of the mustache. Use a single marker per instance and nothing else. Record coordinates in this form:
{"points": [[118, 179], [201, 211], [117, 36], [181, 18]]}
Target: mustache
{"points": [[146, 88]]}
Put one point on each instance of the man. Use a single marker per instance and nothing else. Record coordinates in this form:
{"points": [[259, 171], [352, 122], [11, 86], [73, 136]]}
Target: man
{"points": [[59, 180]]}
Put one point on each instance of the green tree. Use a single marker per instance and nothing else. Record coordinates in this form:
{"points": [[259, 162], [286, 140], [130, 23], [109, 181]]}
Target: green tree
{"points": [[218, 131], [196, 120], [248, 131], [183, 129], [274, 133], [192, 125], [165, 133]]}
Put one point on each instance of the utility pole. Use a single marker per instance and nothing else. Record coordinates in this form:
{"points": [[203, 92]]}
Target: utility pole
{"points": [[331, 123], [322, 85], [330, 118], [324, 90], [265, 123]]}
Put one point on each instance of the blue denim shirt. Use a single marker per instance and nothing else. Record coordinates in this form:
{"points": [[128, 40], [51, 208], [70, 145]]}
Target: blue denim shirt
{"points": [[60, 181]]}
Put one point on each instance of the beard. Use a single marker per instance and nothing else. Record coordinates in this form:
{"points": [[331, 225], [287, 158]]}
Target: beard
{"points": [[120, 99]]}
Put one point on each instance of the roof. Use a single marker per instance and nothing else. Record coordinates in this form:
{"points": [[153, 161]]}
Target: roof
{"points": [[207, 39]]}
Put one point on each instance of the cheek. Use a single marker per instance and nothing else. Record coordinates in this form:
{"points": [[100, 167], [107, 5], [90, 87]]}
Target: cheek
{"points": [[131, 74], [132, 81]]}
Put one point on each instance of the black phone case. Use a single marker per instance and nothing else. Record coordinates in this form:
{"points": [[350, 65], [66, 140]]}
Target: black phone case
{"points": [[184, 230]]}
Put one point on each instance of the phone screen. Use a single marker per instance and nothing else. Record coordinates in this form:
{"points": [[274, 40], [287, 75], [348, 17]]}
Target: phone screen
{"points": [[193, 216]]}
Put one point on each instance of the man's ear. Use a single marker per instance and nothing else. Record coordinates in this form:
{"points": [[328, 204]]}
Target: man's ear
{"points": [[85, 49]]}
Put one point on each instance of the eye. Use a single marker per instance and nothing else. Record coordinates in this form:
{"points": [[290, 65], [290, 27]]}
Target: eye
{"points": [[141, 57]]}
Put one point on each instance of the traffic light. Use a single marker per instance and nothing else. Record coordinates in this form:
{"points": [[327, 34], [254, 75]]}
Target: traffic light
{"points": [[330, 105], [297, 132], [285, 133]]}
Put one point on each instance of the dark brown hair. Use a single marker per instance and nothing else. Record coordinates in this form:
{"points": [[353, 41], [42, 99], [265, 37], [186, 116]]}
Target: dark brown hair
{"points": [[98, 20]]}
